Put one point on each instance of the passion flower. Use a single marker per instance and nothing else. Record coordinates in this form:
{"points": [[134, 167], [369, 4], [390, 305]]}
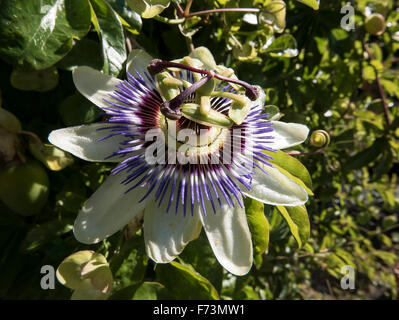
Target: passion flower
{"points": [[179, 183]]}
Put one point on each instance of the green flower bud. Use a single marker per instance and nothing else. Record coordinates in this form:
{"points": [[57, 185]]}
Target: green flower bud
{"points": [[86, 272], [320, 139]]}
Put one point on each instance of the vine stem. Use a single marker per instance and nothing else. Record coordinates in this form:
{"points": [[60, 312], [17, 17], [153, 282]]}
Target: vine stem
{"points": [[381, 90], [169, 21], [190, 45], [188, 7], [211, 11], [298, 153], [33, 136], [179, 9]]}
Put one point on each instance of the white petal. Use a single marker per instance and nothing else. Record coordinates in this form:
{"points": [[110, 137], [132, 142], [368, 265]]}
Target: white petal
{"points": [[229, 236], [82, 142], [288, 134], [276, 188], [108, 210], [166, 234], [138, 60], [94, 85]]}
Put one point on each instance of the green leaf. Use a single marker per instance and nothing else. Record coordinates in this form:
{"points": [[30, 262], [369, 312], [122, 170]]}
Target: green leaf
{"points": [[77, 110], [274, 12], [391, 87], [85, 52], [150, 8], [272, 110], [127, 14], [298, 222], [300, 217], [148, 291], [129, 265], [140, 291], [314, 4], [34, 80], [384, 165], [42, 234], [246, 53], [199, 254], [185, 283], [88, 293], [292, 165], [369, 73], [110, 30], [258, 225], [246, 293], [284, 46], [366, 156], [37, 34], [52, 157]]}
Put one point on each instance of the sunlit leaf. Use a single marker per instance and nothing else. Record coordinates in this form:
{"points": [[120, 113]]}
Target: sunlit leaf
{"points": [[184, 283], [110, 31], [314, 4], [298, 222], [37, 34], [258, 225]]}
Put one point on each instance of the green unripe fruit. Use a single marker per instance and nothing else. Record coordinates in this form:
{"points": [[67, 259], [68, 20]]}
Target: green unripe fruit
{"points": [[375, 24], [24, 187], [9, 121]]}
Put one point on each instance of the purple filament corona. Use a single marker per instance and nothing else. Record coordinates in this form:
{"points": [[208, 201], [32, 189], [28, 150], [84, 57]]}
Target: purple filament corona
{"points": [[135, 108]]}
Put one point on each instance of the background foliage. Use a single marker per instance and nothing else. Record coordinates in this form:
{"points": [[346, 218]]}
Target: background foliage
{"points": [[317, 73]]}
